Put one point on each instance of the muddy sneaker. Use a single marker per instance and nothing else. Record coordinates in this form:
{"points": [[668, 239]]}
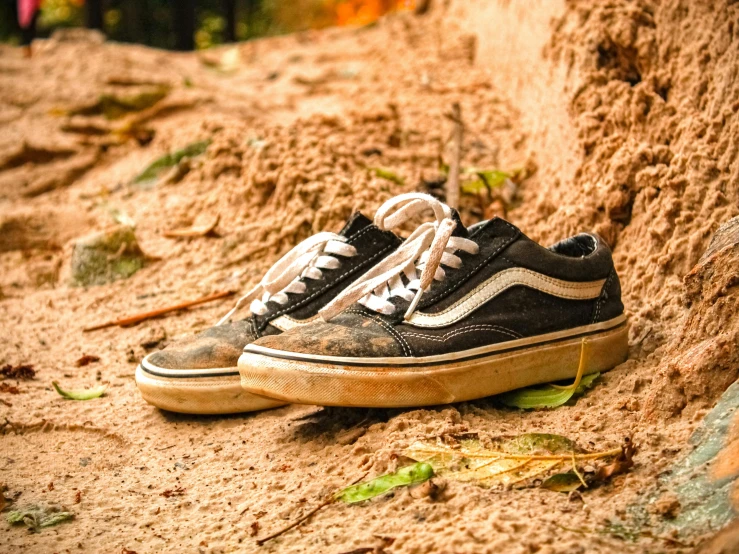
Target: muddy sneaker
{"points": [[453, 314], [199, 375]]}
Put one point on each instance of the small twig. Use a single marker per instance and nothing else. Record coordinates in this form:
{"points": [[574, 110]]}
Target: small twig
{"points": [[301, 519], [574, 469], [330, 500], [156, 313], [121, 249], [641, 340], [194, 231], [452, 183]]}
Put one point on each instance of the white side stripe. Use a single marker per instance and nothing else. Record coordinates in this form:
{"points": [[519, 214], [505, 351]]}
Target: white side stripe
{"points": [[498, 283], [285, 323]]}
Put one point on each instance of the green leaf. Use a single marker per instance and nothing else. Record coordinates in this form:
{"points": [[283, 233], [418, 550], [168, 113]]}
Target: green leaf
{"points": [[562, 482], [474, 187], [410, 475], [115, 106], [82, 394], [493, 178], [547, 396], [152, 171], [488, 179], [37, 517], [387, 175]]}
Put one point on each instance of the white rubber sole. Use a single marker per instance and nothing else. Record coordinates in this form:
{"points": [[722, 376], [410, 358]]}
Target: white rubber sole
{"points": [[216, 391], [424, 381]]}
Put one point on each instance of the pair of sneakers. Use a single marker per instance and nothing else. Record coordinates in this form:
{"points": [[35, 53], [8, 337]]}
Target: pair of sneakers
{"points": [[363, 318]]}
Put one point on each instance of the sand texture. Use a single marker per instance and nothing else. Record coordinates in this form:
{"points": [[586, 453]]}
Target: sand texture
{"points": [[624, 116]]}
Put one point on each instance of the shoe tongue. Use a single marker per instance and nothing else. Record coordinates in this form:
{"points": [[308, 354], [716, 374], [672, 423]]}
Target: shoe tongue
{"points": [[460, 230], [358, 221], [354, 224]]}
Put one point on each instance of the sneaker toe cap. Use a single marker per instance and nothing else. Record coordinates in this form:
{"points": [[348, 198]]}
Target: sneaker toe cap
{"points": [[217, 347], [367, 339]]}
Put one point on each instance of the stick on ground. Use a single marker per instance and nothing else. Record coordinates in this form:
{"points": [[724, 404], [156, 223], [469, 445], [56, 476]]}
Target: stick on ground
{"points": [[131, 320], [330, 500], [452, 182]]}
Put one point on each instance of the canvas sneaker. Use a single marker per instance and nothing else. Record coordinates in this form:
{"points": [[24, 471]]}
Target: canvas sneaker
{"points": [[199, 375], [453, 314]]}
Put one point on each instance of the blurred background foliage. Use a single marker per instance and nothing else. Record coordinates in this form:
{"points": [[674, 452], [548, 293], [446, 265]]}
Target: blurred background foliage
{"points": [[154, 22]]}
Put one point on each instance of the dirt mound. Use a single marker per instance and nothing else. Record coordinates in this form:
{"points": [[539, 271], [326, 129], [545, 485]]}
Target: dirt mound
{"points": [[624, 115]]}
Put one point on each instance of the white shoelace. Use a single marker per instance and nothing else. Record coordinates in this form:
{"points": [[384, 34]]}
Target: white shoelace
{"points": [[305, 261], [429, 247]]}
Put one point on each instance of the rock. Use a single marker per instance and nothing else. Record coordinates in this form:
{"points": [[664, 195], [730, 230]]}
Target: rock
{"points": [[106, 256], [697, 495], [703, 360], [666, 506], [725, 542]]}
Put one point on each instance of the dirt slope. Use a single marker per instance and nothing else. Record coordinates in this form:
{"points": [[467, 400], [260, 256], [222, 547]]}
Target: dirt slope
{"points": [[626, 112]]}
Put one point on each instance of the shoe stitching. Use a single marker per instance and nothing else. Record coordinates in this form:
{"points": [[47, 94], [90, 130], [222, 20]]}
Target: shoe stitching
{"points": [[600, 302], [574, 285], [515, 264], [403, 344], [328, 286], [468, 329], [430, 300]]}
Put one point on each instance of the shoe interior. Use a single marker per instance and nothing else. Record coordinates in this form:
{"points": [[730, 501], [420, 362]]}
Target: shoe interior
{"points": [[575, 247]]}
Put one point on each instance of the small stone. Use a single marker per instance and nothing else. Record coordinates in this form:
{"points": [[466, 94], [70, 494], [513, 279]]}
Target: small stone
{"points": [[433, 489], [666, 506], [106, 256]]}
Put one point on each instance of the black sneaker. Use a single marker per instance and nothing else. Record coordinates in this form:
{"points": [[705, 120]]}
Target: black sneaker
{"points": [[199, 375], [452, 315]]}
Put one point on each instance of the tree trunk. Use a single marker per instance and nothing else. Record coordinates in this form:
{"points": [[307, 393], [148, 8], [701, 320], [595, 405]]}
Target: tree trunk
{"points": [[132, 18], [184, 24], [94, 13], [251, 11], [229, 33]]}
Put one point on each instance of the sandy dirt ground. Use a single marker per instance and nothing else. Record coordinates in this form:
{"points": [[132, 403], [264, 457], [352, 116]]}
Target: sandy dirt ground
{"points": [[623, 113]]}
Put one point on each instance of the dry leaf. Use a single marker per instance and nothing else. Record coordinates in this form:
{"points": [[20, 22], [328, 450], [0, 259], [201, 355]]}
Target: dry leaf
{"points": [[86, 359], [622, 462], [194, 231], [179, 491], [5, 387], [24, 371], [38, 517], [517, 461]]}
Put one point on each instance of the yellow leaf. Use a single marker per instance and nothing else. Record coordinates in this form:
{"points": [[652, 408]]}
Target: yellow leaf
{"points": [[510, 461]]}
